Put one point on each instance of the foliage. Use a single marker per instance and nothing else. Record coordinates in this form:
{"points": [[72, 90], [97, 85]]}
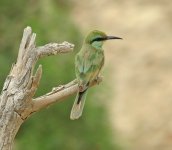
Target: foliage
{"points": [[51, 128]]}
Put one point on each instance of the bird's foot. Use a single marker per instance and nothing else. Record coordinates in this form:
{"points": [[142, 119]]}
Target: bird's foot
{"points": [[99, 79], [81, 88]]}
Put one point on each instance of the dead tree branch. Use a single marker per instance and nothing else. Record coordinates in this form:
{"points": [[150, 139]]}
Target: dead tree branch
{"points": [[16, 99]]}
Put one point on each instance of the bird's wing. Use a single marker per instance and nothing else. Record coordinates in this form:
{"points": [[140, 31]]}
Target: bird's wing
{"points": [[95, 64], [82, 65], [87, 67], [79, 67]]}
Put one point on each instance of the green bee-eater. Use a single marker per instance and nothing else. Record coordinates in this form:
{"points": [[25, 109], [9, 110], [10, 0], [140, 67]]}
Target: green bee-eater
{"points": [[88, 63]]}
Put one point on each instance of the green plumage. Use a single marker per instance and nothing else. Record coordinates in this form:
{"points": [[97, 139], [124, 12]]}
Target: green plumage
{"points": [[88, 63]]}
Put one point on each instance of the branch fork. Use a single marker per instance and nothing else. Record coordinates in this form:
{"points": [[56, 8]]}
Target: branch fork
{"points": [[16, 99], [23, 83]]}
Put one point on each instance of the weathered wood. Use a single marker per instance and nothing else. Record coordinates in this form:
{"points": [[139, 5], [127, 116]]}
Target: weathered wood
{"points": [[20, 85], [16, 99]]}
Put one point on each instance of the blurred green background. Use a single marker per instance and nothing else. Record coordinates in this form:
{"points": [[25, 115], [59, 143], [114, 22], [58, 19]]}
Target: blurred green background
{"points": [[51, 129], [131, 108]]}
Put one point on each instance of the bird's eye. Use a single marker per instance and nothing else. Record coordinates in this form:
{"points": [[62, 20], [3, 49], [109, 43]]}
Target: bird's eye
{"points": [[98, 39]]}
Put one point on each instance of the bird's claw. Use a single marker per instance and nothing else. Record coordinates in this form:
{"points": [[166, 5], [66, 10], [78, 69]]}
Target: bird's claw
{"points": [[81, 88], [99, 79]]}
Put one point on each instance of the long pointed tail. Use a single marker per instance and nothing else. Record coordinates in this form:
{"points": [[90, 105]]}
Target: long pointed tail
{"points": [[78, 105]]}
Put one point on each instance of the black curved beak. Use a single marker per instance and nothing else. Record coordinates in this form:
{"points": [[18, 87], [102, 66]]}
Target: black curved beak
{"points": [[112, 37], [105, 38]]}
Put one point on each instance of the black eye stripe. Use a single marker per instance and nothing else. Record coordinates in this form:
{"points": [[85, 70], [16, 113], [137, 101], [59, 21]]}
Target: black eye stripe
{"points": [[99, 39]]}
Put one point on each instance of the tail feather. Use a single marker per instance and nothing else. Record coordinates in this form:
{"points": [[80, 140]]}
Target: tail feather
{"points": [[78, 105]]}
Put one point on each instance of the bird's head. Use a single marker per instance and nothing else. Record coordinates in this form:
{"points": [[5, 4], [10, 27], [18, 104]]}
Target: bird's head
{"points": [[96, 38]]}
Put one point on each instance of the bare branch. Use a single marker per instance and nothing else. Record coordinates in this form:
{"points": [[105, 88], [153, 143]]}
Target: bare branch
{"points": [[16, 99], [26, 34], [58, 94], [21, 84], [54, 48], [37, 77]]}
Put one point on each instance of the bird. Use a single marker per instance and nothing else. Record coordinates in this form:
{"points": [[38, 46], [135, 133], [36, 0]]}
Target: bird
{"points": [[88, 64]]}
